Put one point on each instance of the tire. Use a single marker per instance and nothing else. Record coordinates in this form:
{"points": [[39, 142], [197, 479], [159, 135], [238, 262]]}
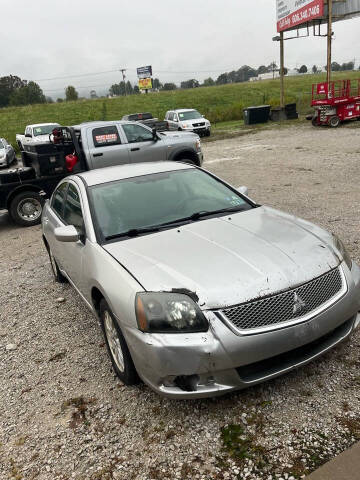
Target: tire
{"points": [[21, 148], [26, 208], [179, 129], [334, 121], [208, 132], [117, 348], [58, 276], [314, 122]]}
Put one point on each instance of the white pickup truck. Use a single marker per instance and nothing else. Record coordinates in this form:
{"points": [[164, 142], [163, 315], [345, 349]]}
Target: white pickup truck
{"points": [[35, 133]]}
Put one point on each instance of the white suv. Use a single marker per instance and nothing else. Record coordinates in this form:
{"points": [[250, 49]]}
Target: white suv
{"points": [[189, 120]]}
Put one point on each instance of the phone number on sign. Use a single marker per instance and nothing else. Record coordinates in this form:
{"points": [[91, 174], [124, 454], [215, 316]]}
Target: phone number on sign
{"points": [[306, 14]]}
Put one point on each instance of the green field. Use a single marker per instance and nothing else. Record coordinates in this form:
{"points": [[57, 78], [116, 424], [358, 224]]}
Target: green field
{"points": [[219, 103]]}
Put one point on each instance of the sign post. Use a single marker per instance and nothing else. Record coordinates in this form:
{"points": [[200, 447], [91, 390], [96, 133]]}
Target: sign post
{"points": [[282, 71], [329, 43]]}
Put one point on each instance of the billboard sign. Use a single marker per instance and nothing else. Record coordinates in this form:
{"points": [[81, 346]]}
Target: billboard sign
{"points": [[145, 83], [144, 72], [291, 13]]}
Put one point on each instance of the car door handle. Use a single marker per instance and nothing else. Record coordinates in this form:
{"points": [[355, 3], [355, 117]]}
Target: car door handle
{"points": [[98, 154], [134, 149]]}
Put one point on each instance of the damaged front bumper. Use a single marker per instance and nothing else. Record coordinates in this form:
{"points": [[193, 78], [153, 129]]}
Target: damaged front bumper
{"points": [[220, 361]]}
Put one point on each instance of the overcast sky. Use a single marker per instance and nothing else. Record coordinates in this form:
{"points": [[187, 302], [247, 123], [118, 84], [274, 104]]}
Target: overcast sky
{"points": [[43, 39]]}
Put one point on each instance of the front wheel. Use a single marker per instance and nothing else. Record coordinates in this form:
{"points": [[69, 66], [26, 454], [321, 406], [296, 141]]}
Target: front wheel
{"points": [[117, 348], [314, 121], [334, 122], [208, 132], [26, 209]]}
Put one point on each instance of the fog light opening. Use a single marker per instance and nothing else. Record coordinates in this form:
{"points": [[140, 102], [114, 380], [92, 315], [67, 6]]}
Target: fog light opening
{"points": [[188, 383]]}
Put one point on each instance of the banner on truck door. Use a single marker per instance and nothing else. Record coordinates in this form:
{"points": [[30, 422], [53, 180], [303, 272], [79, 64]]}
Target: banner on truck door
{"points": [[144, 72], [291, 13], [145, 83]]}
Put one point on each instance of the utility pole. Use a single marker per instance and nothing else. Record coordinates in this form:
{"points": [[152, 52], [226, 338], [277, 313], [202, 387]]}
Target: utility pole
{"points": [[123, 70], [282, 71], [329, 42]]}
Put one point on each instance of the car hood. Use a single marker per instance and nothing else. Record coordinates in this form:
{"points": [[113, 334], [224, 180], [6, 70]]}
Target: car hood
{"points": [[41, 139], [180, 135], [229, 260]]}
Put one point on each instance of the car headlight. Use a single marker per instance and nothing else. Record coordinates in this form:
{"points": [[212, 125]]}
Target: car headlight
{"points": [[169, 313], [342, 249]]}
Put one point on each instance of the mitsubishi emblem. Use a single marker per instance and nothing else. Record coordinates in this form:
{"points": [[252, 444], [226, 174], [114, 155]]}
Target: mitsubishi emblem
{"points": [[299, 304]]}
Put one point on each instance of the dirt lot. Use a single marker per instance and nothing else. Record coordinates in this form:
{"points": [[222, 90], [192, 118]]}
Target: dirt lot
{"points": [[63, 415]]}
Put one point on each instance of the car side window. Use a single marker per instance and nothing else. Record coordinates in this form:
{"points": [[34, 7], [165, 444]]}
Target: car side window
{"points": [[175, 118], [58, 199], [106, 136], [136, 133], [171, 116], [72, 212]]}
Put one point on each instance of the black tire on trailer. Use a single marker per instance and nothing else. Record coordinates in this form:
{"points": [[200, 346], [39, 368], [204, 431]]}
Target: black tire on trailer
{"points": [[25, 209], [334, 121], [117, 347]]}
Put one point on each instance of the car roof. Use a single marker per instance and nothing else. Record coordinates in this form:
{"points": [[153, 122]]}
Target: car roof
{"points": [[99, 123], [185, 110], [43, 124], [120, 172]]}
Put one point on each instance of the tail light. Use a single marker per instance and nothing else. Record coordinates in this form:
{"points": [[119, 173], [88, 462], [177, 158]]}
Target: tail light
{"points": [[70, 161]]}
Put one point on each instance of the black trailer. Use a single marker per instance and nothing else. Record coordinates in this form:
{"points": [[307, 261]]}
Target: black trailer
{"points": [[23, 191]]}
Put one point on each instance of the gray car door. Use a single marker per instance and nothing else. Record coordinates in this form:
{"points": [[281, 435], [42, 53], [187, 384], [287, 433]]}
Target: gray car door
{"points": [[105, 147], [72, 254], [141, 144]]}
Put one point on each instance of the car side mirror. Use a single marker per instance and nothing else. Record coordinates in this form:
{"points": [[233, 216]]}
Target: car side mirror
{"points": [[28, 135], [155, 135], [243, 190], [66, 234]]}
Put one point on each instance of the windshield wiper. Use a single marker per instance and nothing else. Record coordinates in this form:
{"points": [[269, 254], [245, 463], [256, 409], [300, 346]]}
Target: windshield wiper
{"points": [[134, 232], [197, 215]]}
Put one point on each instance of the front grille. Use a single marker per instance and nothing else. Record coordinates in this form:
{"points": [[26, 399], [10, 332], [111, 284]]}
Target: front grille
{"points": [[290, 306], [198, 124]]}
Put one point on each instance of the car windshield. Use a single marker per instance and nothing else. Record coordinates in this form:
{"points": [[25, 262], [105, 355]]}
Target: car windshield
{"points": [[194, 114], [144, 202], [44, 129]]}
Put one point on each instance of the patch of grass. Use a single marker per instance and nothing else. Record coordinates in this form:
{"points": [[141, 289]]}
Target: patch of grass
{"points": [[223, 103], [80, 405], [352, 424], [239, 445]]}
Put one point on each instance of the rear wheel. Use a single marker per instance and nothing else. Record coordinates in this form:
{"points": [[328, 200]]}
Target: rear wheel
{"points": [[117, 348], [334, 121], [26, 208]]}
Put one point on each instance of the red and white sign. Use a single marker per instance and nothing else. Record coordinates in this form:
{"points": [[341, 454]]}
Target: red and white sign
{"points": [[291, 13]]}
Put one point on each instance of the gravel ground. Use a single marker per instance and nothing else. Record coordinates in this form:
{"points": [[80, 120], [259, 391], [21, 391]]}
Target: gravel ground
{"points": [[63, 413]]}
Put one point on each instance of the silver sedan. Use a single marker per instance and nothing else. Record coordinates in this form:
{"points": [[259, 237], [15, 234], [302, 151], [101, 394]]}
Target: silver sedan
{"points": [[7, 153], [199, 290]]}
